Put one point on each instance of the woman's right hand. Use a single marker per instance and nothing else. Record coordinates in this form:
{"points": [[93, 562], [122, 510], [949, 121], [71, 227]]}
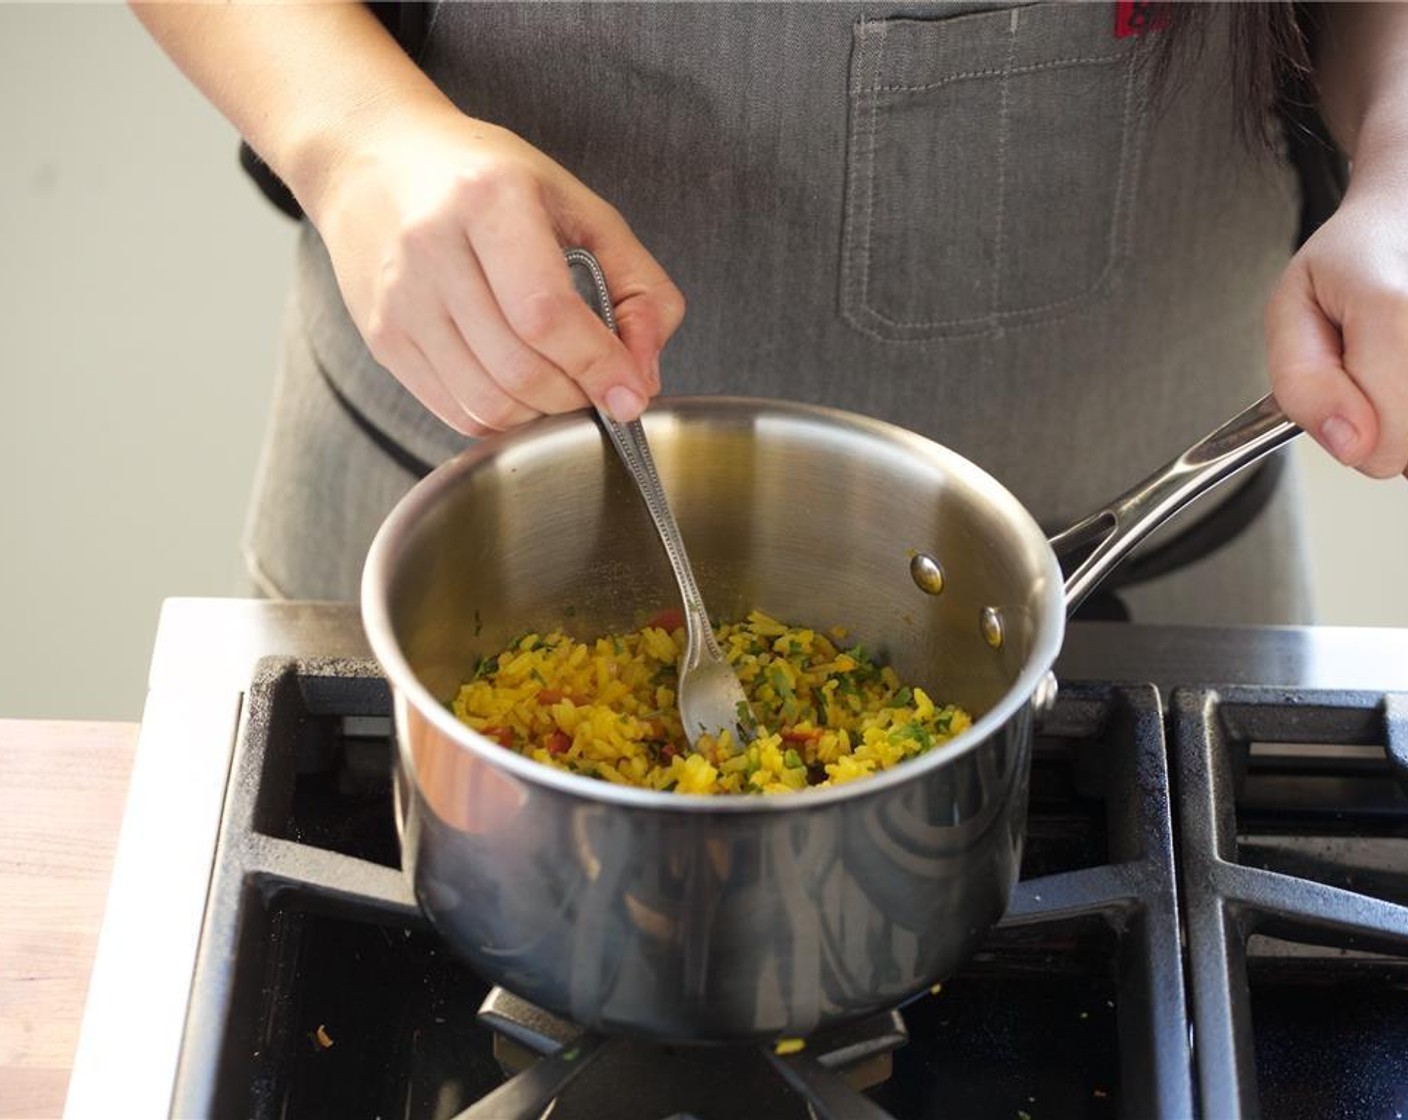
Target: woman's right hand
{"points": [[447, 235]]}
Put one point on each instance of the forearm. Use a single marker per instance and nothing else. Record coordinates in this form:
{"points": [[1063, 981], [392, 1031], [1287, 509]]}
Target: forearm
{"points": [[445, 233], [1362, 73], [301, 82]]}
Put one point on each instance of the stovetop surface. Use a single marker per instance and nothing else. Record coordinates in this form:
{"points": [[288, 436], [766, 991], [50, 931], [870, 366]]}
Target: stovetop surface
{"points": [[1203, 859], [1035, 1016]]}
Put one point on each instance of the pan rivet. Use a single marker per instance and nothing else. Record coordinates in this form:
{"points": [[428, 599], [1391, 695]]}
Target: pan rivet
{"points": [[926, 573], [990, 623]]}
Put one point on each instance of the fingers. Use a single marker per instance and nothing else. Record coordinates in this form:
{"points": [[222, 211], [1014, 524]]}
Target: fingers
{"points": [[414, 336], [449, 253], [1306, 364], [649, 308], [1348, 389], [515, 369], [399, 353], [523, 264], [466, 379], [439, 304], [1376, 356], [532, 346]]}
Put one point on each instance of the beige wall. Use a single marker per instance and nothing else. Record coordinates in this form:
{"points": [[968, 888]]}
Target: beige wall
{"points": [[140, 281], [140, 285]]}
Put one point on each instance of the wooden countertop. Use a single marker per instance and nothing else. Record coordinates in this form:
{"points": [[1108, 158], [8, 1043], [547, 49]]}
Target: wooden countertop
{"points": [[62, 790]]}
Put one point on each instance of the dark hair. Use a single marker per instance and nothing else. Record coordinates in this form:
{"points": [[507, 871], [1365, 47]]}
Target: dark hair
{"points": [[1273, 87], [1272, 45]]}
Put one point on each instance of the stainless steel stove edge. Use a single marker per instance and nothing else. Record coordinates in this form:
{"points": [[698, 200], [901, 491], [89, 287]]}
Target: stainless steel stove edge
{"points": [[202, 661], [203, 658]]}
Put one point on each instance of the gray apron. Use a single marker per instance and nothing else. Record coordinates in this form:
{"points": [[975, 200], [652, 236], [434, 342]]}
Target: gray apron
{"points": [[973, 223]]}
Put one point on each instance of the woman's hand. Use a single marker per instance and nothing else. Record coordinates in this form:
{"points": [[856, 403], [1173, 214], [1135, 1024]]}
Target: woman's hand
{"points": [[1337, 324], [1337, 330], [447, 237], [446, 233]]}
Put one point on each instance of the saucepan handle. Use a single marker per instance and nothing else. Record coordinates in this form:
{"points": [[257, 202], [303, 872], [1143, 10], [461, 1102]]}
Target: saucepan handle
{"points": [[1098, 543]]}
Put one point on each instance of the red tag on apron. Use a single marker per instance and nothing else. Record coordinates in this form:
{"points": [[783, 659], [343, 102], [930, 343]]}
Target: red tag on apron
{"points": [[1134, 17]]}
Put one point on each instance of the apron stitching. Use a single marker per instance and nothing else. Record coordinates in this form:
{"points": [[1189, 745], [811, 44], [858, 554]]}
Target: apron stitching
{"points": [[1003, 130], [1055, 63], [855, 94], [868, 241], [1118, 231], [1130, 156], [849, 206]]}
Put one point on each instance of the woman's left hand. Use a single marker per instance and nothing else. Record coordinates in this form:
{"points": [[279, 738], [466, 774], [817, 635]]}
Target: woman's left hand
{"points": [[1337, 324], [1337, 329]]}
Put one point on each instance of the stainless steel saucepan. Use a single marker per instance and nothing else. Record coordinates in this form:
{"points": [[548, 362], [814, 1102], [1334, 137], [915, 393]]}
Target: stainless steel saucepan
{"points": [[725, 919]]}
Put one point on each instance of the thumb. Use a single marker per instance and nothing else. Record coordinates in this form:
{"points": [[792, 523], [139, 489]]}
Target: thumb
{"points": [[649, 308], [1305, 358]]}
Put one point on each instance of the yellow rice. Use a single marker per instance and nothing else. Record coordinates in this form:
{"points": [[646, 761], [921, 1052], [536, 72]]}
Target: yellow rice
{"points": [[606, 709]]}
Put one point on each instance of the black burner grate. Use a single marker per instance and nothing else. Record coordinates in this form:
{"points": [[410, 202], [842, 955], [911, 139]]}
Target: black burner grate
{"points": [[1114, 741], [309, 923], [319, 990], [1282, 1027]]}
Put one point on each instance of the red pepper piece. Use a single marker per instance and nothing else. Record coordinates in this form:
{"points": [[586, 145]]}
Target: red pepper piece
{"points": [[668, 620]]}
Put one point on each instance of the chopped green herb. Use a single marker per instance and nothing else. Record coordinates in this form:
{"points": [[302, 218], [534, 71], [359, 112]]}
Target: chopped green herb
{"points": [[792, 760], [778, 679], [915, 731]]}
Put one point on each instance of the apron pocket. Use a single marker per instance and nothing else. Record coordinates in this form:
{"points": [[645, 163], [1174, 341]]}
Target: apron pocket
{"points": [[991, 163]]}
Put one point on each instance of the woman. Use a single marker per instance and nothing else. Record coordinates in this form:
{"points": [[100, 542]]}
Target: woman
{"points": [[995, 225]]}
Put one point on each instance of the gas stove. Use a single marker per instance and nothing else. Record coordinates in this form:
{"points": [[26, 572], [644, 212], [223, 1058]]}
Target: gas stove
{"points": [[1212, 918]]}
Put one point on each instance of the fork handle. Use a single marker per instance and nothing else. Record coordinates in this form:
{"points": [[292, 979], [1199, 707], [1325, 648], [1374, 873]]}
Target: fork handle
{"points": [[630, 443]]}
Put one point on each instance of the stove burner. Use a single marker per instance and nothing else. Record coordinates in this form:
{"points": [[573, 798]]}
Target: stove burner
{"points": [[1295, 875], [636, 1080], [320, 991]]}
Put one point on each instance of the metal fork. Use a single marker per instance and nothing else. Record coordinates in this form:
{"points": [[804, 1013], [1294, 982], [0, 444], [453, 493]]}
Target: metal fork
{"points": [[711, 699]]}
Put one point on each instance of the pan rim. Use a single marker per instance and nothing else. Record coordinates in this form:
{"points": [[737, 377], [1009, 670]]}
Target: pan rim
{"points": [[376, 621]]}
